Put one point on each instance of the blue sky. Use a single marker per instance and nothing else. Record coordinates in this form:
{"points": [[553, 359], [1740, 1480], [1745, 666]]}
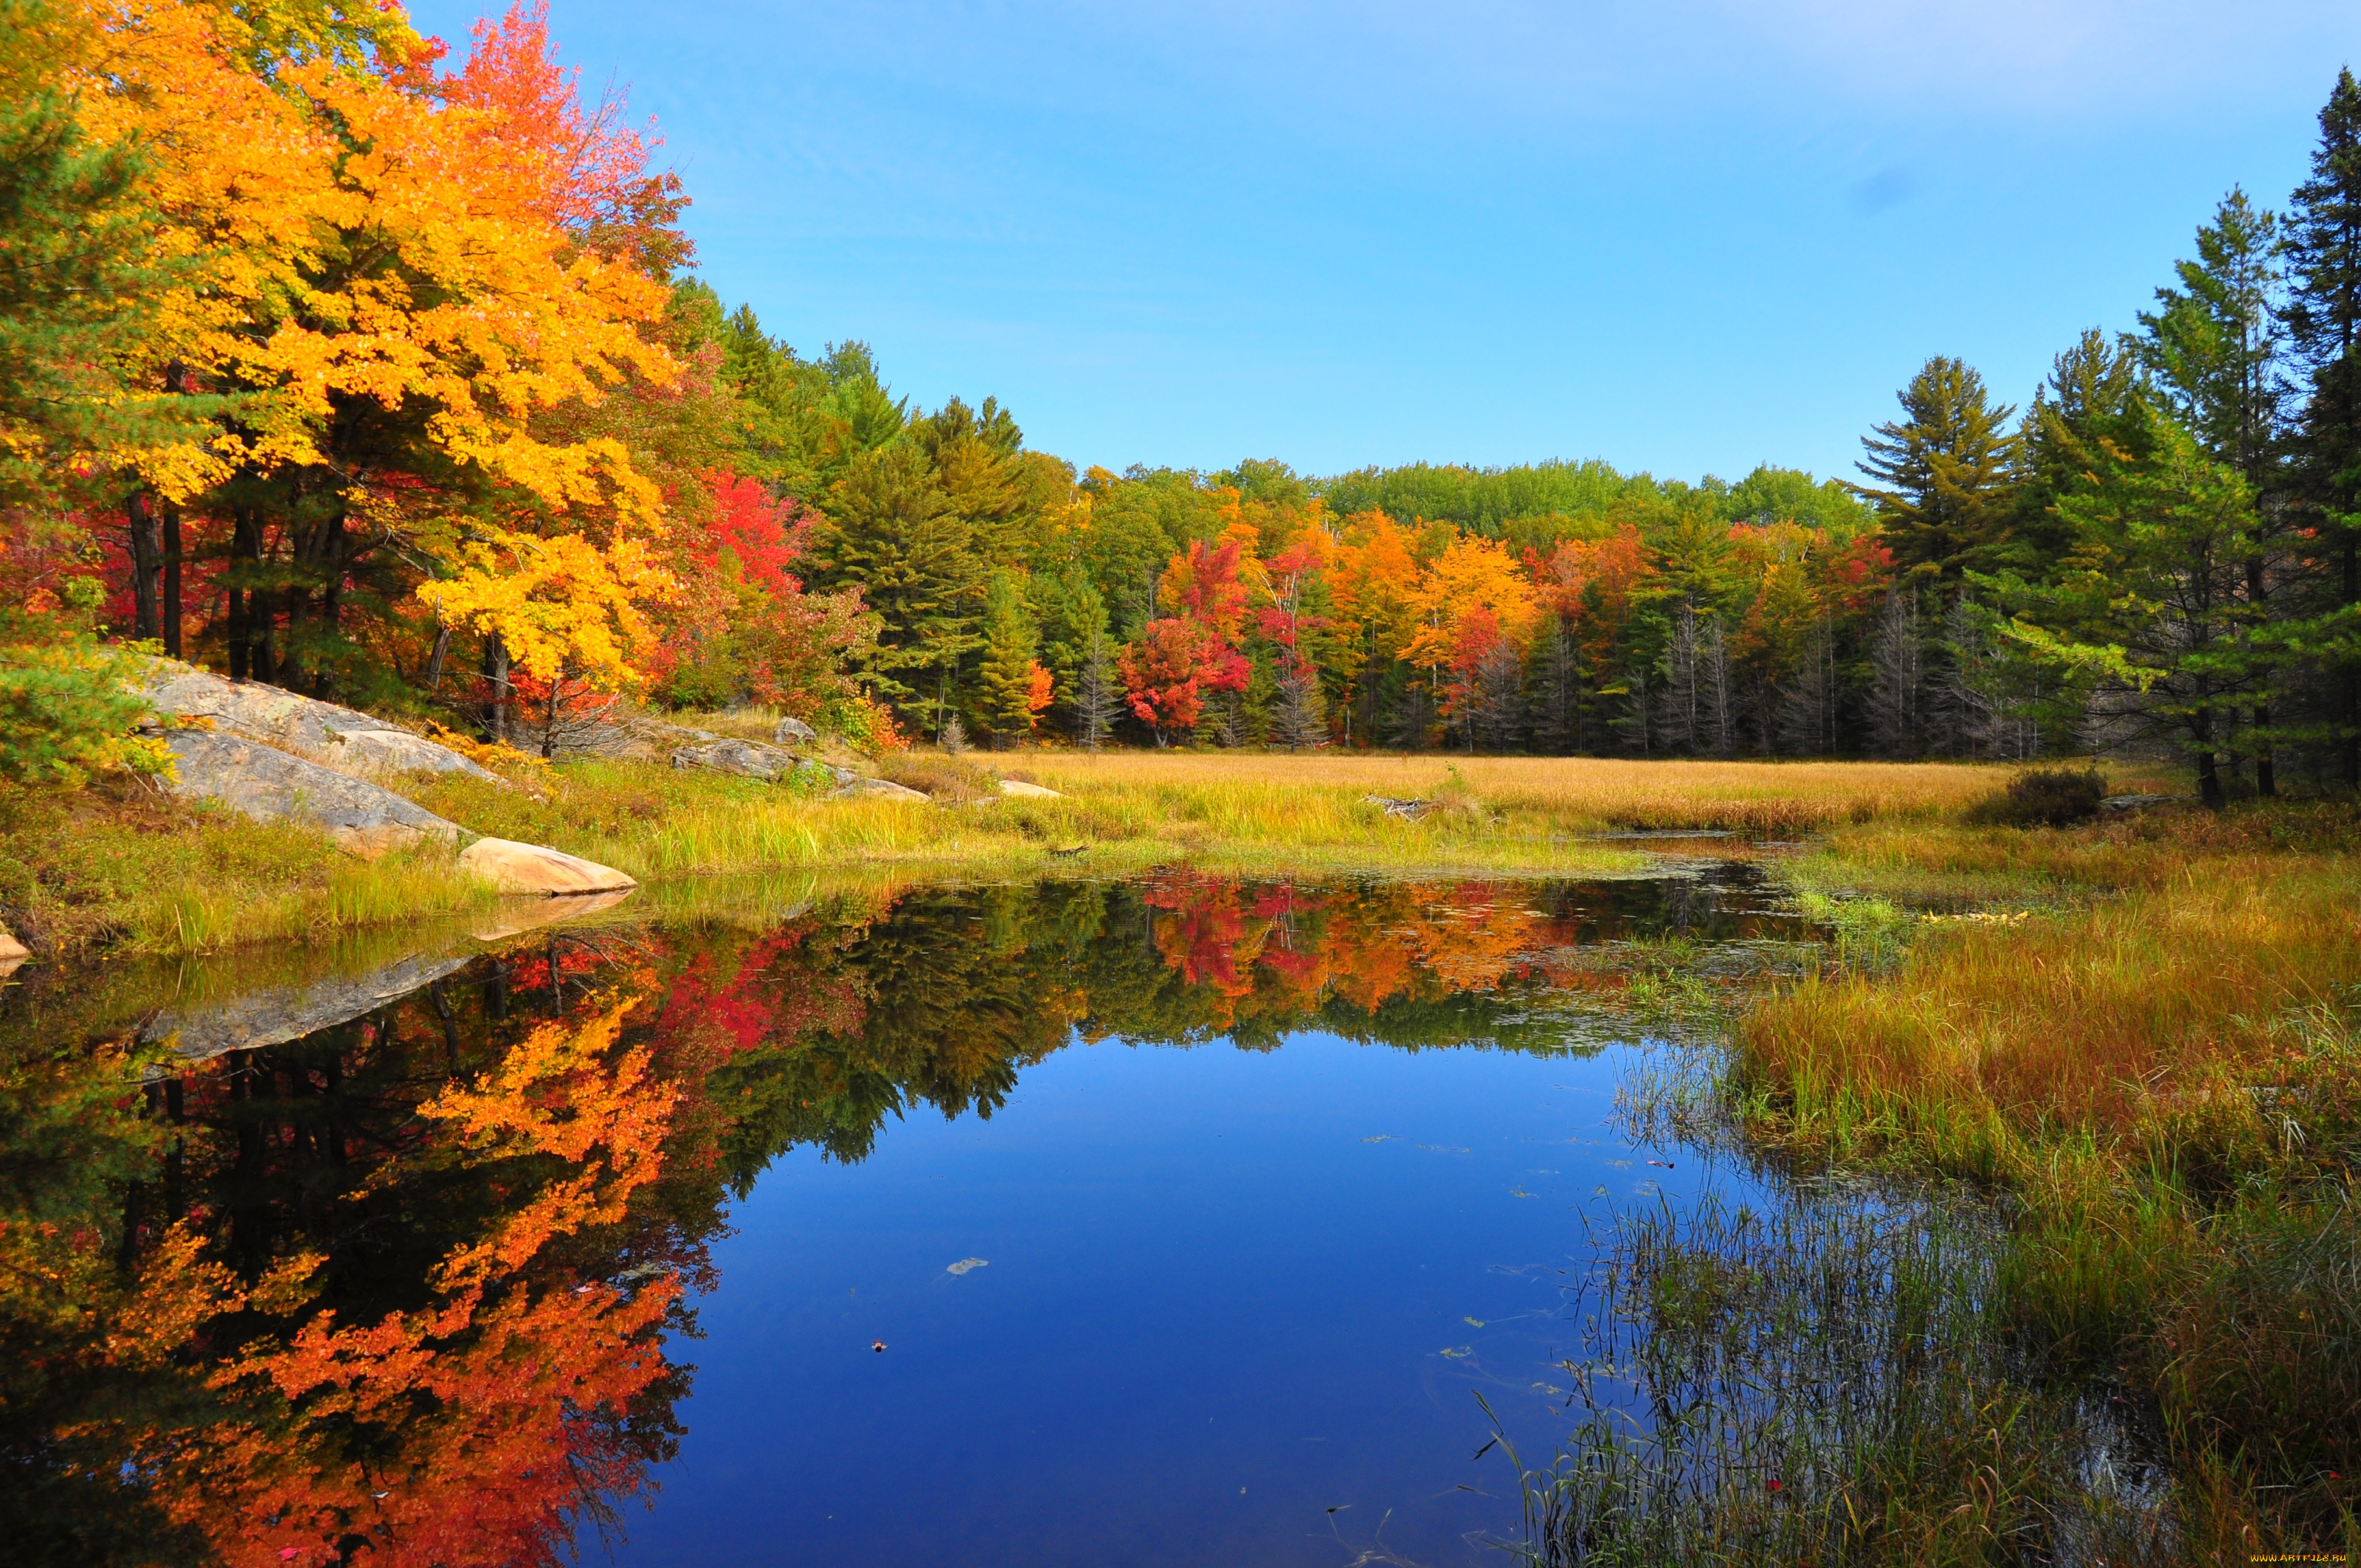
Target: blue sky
{"points": [[1687, 236]]}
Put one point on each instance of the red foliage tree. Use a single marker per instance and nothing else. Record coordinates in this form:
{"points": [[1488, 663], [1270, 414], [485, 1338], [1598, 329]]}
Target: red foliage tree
{"points": [[1168, 672]]}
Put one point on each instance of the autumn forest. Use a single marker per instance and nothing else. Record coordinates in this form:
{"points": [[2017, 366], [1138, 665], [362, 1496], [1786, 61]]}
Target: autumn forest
{"points": [[525, 792], [330, 366]]}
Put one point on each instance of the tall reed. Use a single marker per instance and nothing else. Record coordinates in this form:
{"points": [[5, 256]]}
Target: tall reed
{"points": [[2168, 1080]]}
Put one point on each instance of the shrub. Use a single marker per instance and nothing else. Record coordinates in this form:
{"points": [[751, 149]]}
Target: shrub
{"points": [[2043, 797], [66, 709]]}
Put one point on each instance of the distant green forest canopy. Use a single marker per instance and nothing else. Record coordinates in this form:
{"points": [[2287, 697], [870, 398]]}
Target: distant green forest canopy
{"points": [[1492, 501]]}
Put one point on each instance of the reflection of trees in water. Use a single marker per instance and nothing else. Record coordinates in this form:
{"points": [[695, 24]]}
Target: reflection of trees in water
{"points": [[940, 999], [394, 1289]]}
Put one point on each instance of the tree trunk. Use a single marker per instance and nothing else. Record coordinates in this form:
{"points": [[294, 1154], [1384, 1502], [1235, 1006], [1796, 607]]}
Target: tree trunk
{"points": [[496, 688], [290, 666], [2266, 784], [169, 611], [2352, 678], [329, 555], [434, 663], [139, 517], [2209, 780], [249, 652]]}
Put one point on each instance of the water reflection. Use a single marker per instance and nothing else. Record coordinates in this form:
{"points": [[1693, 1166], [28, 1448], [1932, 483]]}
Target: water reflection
{"points": [[396, 1283]]}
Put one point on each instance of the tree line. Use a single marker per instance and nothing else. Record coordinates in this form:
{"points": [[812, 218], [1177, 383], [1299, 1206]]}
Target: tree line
{"points": [[330, 365]]}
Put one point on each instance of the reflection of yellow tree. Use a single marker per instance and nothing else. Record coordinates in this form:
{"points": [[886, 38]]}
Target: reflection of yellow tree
{"points": [[477, 1428]]}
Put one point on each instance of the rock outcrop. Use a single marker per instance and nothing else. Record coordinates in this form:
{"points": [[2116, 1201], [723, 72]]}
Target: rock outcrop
{"points": [[747, 759], [795, 732], [340, 738], [2118, 804], [511, 867], [630, 737], [269, 785]]}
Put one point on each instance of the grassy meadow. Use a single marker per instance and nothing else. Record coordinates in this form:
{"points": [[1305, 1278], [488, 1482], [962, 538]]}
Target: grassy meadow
{"points": [[117, 868], [1255, 795]]}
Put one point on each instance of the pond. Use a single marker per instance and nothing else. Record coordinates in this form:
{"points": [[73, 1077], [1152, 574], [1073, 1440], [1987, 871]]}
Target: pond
{"points": [[1178, 1220]]}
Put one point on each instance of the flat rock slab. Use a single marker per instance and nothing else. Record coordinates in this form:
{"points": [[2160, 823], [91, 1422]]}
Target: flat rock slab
{"points": [[273, 1017], [875, 789], [1029, 791], [511, 867], [338, 737], [271, 786], [630, 737], [2139, 802], [746, 759]]}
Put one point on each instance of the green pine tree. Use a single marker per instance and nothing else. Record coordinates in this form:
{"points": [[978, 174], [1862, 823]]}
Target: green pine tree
{"points": [[2089, 385], [2323, 326], [1947, 473], [1072, 611], [2147, 610], [1005, 685], [2214, 346], [891, 533], [2213, 343]]}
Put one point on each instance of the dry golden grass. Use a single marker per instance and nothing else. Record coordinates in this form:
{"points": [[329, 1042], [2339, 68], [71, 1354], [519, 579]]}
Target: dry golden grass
{"points": [[1571, 793], [2168, 1080], [2104, 1022]]}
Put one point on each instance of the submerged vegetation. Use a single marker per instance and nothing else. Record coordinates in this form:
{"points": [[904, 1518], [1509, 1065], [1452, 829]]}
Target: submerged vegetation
{"points": [[1824, 1380]]}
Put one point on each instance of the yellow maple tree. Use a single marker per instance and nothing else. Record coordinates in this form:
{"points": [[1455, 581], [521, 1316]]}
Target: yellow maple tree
{"points": [[1471, 573]]}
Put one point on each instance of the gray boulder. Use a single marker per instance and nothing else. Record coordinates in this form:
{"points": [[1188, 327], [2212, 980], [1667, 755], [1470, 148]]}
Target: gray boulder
{"points": [[747, 759], [342, 738], [795, 731], [269, 785]]}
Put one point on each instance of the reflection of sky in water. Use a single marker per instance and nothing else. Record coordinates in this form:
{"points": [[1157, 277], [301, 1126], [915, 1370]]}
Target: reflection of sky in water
{"points": [[1227, 1292]]}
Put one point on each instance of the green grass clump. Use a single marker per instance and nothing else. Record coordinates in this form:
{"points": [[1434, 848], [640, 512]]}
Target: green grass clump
{"points": [[117, 866], [1825, 1381]]}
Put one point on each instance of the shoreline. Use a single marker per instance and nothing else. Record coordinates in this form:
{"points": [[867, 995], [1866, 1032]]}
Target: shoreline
{"points": [[117, 869]]}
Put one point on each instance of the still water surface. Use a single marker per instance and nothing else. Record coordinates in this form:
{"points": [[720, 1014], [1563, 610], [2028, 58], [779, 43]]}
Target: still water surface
{"points": [[1192, 1214]]}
